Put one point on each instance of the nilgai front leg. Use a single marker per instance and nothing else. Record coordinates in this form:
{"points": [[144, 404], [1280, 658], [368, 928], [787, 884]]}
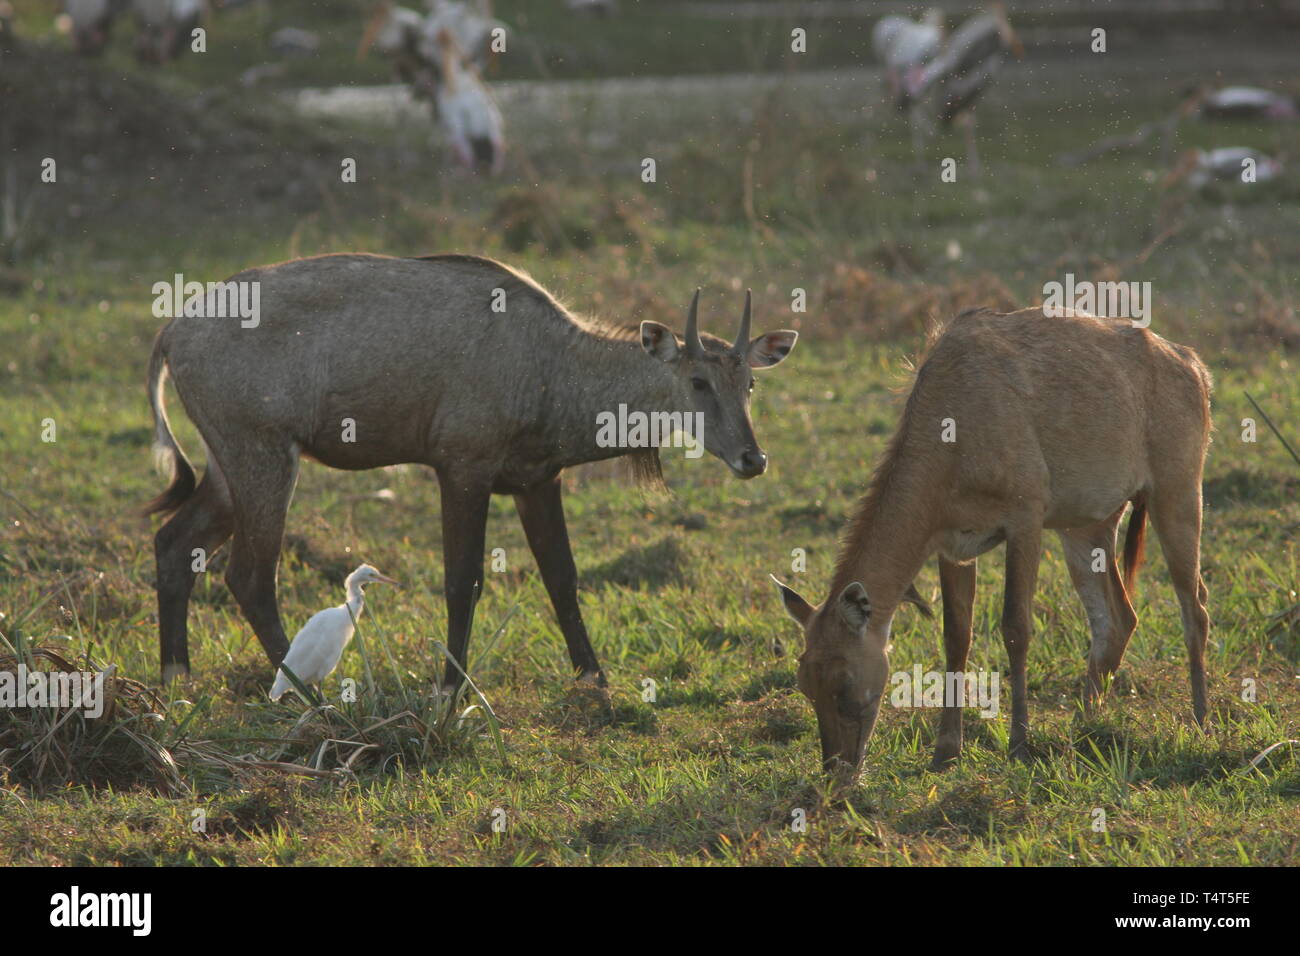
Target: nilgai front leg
{"points": [[957, 582], [541, 511], [464, 525], [1023, 553]]}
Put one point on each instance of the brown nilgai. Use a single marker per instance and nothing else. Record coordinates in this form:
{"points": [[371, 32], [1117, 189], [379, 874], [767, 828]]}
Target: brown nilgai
{"points": [[1016, 423], [455, 362]]}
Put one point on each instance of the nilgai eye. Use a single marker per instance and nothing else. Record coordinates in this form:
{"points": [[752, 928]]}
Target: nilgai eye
{"points": [[700, 384]]}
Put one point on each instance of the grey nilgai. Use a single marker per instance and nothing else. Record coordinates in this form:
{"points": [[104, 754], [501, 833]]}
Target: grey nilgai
{"points": [[361, 361]]}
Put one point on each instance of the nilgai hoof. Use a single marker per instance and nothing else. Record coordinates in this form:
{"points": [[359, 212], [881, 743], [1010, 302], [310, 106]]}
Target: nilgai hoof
{"points": [[943, 761], [171, 672]]}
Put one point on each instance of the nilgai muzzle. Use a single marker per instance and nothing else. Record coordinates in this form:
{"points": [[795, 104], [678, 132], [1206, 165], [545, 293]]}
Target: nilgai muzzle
{"points": [[455, 362], [1016, 423]]}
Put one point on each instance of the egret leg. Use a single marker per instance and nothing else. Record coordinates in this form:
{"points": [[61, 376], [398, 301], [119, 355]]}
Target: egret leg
{"points": [[541, 512]]}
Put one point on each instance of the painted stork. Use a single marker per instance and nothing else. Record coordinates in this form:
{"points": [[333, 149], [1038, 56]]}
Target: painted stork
{"points": [[398, 33], [1200, 167], [905, 46], [471, 26], [468, 114], [1246, 102], [164, 27], [89, 22], [959, 74]]}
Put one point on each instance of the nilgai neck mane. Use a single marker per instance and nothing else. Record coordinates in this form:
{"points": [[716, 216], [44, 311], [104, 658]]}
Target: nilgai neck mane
{"points": [[1016, 423], [456, 362]]}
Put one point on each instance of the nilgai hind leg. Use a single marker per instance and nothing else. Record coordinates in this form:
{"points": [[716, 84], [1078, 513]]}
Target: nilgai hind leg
{"points": [[185, 543], [1176, 517], [261, 478], [1090, 557]]}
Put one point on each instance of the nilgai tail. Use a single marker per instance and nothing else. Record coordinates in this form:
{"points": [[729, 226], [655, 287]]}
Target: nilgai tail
{"points": [[164, 442]]}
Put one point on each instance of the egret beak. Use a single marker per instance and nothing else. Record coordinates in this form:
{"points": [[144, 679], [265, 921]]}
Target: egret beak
{"points": [[387, 580]]}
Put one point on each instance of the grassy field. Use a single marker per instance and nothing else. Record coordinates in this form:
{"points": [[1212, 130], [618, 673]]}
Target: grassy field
{"points": [[185, 176]]}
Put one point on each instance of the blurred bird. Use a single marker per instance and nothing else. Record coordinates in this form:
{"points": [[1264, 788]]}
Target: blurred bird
{"points": [[468, 114], [294, 41], [959, 75], [1245, 102], [905, 46], [470, 24], [398, 33], [88, 21], [317, 648], [164, 27], [1201, 167]]}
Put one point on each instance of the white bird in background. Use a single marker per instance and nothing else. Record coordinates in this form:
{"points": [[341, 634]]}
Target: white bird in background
{"points": [[317, 648], [468, 114], [1246, 102], [398, 33], [89, 22], [1229, 164], [904, 46], [470, 24], [960, 74], [164, 27]]}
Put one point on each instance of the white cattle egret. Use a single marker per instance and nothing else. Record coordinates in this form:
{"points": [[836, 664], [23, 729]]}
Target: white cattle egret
{"points": [[468, 114], [317, 648]]}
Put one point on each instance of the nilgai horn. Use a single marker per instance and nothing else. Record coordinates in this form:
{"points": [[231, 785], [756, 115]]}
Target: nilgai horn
{"points": [[1016, 423], [413, 353]]}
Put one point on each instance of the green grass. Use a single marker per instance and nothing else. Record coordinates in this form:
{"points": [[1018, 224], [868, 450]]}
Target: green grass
{"points": [[676, 589]]}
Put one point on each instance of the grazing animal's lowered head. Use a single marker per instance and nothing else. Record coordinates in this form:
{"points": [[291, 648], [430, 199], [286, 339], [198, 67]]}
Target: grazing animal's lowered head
{"points": [[714, 379], [844, 667]]}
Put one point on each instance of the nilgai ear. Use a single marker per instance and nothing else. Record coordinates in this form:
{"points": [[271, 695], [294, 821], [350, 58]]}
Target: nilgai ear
{"points": [[913, 596], [855, 606], [659, 341], [770, 348], [795, 605]]}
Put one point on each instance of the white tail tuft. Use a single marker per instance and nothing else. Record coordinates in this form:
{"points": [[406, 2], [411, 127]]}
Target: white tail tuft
{"points": [[164, 462]]}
